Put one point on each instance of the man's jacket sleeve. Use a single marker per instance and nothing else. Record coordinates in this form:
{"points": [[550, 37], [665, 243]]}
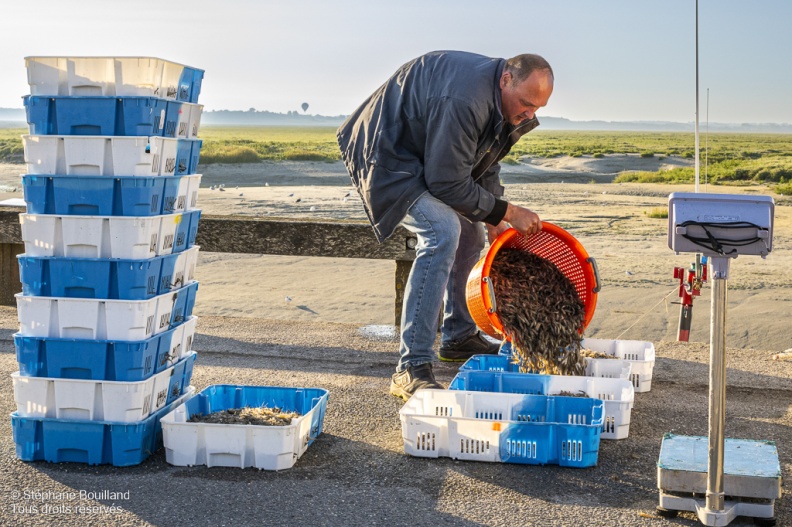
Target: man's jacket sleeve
{"points": [[490, 180]]}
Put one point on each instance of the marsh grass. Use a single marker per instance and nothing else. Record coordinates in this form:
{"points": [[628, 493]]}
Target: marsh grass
{"points": [[734, 159], [658, 212], [784, 189], [11, 150]]}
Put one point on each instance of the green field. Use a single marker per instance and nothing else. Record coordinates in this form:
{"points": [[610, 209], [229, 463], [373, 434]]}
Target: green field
{"points": [[733, 159]]}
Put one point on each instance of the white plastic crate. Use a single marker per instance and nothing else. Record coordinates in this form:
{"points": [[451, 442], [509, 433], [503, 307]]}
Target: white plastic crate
{"points": [[84, 318], [194, 121], [188, 193], [227, 445], [500, 427], [119, 76], [81, 155], [617, 394], [189, 336], [194, 183], [191, 261], [94, 319], [184, 269], [640, 355], [608, 368], [74, 399], [180, 345], [126, 237]]}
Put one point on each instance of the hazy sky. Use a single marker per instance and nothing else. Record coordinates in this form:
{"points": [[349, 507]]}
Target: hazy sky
{"points": [[614, 60]]}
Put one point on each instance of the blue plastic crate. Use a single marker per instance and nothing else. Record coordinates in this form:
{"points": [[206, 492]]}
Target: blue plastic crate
{"points": [[228, 396], [100, 196], [195, 155], [98, 277], [102, 359], [490, 363], [190, 84], [617, 395], [89, 442], [183, 303], [502, 382], [187, 230], [188, 151], [101, 115]]}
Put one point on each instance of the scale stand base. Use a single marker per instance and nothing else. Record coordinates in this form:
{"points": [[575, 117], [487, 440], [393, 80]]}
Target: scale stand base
{"points": [[761, 512], [752, 479]]}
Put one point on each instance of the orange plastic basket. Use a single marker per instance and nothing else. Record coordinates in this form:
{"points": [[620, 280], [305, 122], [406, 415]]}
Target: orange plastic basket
{"points": [[552, 243]]}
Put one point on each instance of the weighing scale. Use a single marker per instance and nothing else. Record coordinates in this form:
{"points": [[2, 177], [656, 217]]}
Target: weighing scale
{"points": [[715, 477]]}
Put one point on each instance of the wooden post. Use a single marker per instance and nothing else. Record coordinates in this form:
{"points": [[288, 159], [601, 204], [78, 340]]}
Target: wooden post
{"points": [[10, 246], [9, 272], [402, 273]]}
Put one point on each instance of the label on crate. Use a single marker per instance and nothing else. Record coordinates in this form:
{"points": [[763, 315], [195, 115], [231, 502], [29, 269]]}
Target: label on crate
{"points": [[165, 359], [147, 365], [170, 165], [147, 405], [178, 281], [170, 204], [154, 203], [153, 246], [155, 164], [171, 92], [176, 350], [165, 320], [151, 289], [162, 396], [150, 325], [180, 202], [165, 284], [167, 242]]}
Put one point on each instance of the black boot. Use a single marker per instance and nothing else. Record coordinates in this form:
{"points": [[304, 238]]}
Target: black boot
{"points": [[462, 350]]}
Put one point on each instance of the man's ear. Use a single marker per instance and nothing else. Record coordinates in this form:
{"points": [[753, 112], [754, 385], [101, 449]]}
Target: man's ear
{"points": [[505, 79]]}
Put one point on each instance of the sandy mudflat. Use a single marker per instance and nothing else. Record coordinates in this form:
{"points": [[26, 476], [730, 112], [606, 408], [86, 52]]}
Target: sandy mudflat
{"points": [[610, 220]]}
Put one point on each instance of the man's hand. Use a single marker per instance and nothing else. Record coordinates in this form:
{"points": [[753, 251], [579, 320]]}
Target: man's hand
{"points": [[493, 231], [523, 220]]}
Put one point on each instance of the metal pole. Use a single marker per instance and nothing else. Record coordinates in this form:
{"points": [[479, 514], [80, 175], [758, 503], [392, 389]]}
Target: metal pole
{"points": [[706, 146], [698, 163], [717, 384]]}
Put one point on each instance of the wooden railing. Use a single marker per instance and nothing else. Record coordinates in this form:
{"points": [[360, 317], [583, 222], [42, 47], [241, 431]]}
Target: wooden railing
{"points": [[241, 234]]}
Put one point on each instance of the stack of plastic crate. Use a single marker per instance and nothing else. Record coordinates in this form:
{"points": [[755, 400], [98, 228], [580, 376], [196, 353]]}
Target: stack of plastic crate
{"points": [[108, 288]]}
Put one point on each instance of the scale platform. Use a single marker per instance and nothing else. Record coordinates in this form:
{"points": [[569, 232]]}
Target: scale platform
{"points": [[751, 478]]}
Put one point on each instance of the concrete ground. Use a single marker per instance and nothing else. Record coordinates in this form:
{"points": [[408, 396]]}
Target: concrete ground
{"points": [[356, 472]]}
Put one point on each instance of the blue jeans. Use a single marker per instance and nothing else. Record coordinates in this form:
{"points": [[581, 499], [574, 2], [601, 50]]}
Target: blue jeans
{"points": [[448, 248]]}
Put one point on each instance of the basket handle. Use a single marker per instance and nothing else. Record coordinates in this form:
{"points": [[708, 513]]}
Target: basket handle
{"points": [[491, 294], [597, 284]]}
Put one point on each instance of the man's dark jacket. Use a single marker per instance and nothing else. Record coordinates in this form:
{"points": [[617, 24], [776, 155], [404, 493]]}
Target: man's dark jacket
{"points": [[435, 125]]}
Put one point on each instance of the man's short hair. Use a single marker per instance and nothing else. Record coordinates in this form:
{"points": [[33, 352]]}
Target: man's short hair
{"points": [[523, 65]]}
